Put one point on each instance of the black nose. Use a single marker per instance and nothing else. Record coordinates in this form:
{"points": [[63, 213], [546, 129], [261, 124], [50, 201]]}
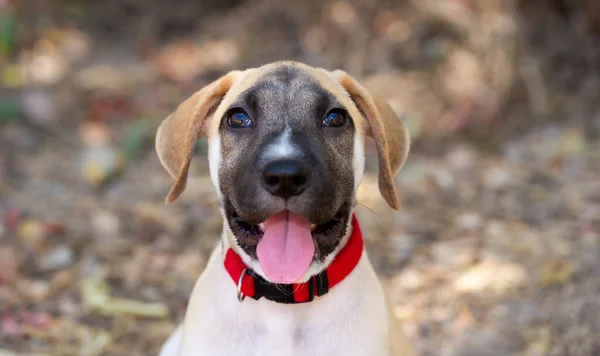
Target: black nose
{"points": [[286, 178]]}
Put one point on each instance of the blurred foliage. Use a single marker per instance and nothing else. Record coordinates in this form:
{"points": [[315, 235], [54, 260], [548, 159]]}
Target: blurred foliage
{"points": [[487, 69], [7, 33], [495, 250]]}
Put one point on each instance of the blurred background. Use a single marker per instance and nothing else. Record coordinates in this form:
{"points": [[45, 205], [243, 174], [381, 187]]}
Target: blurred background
{"points": [[496, 250]]}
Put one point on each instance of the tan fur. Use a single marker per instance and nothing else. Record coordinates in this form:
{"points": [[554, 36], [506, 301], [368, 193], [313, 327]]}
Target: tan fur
{"points": [[178, 133], [391, 135]]}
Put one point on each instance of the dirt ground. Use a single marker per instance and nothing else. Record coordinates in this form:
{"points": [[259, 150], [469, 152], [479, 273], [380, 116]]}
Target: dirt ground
{"points": [[495, 250]]}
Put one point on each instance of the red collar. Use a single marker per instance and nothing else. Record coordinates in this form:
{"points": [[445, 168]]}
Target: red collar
{"points": [[250, 284]]}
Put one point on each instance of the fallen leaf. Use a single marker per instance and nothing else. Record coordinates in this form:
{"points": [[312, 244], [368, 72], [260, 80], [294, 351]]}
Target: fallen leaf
{"points": [[102, 77], [96, 297], [32, 232], [491, 276], [464, 320], [555, 272], [97, 345], [117, 306]]}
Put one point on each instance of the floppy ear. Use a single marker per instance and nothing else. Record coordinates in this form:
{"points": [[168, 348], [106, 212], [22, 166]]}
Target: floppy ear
{"points": [[178, 133], [389, 132]]}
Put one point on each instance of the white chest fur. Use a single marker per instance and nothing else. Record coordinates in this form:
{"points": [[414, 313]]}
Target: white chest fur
{"points": [[350, 320]]}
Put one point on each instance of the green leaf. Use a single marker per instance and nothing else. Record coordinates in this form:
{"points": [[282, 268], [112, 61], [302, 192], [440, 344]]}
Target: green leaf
{"points": [[9, 111], [135, 137], [8, 32]]}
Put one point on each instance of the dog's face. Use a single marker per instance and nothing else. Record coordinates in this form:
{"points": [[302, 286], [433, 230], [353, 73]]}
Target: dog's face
{"points": [[288, 144], [286, 151]]}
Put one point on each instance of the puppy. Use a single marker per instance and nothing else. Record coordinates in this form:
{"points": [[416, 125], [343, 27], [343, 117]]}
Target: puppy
{"points": [[286, 154]]}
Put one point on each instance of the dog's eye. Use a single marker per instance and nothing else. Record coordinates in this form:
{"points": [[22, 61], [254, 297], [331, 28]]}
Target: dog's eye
{"points": [[239, 119], [334, 118]]}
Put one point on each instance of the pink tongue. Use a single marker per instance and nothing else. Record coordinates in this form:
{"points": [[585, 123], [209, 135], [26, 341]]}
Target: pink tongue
{"points": [[286, 248]]}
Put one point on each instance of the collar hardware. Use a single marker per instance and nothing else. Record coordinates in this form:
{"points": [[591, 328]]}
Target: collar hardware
{"points": [[240, 294]]}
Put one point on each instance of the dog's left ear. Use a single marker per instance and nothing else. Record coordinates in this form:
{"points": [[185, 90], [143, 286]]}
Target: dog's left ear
{"points": [[178, 133], [389, 132]]}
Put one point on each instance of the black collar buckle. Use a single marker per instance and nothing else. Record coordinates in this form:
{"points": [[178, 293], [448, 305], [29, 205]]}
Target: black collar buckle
{"points": [[284, 293]]}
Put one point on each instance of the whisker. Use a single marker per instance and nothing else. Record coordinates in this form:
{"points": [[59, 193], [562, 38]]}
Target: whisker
{"points": [[297, 288], [372, 211], [208, 206]]}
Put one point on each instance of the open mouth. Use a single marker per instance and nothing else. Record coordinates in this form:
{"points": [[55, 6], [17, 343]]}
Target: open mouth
{"points": [[250, 234], [286, 244]]}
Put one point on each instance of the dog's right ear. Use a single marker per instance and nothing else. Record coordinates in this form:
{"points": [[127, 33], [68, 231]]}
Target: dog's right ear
{"points": [[178, 133]]}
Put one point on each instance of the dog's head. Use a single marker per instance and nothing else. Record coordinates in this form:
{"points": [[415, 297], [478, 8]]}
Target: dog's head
{"points": [[286, 153]]}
